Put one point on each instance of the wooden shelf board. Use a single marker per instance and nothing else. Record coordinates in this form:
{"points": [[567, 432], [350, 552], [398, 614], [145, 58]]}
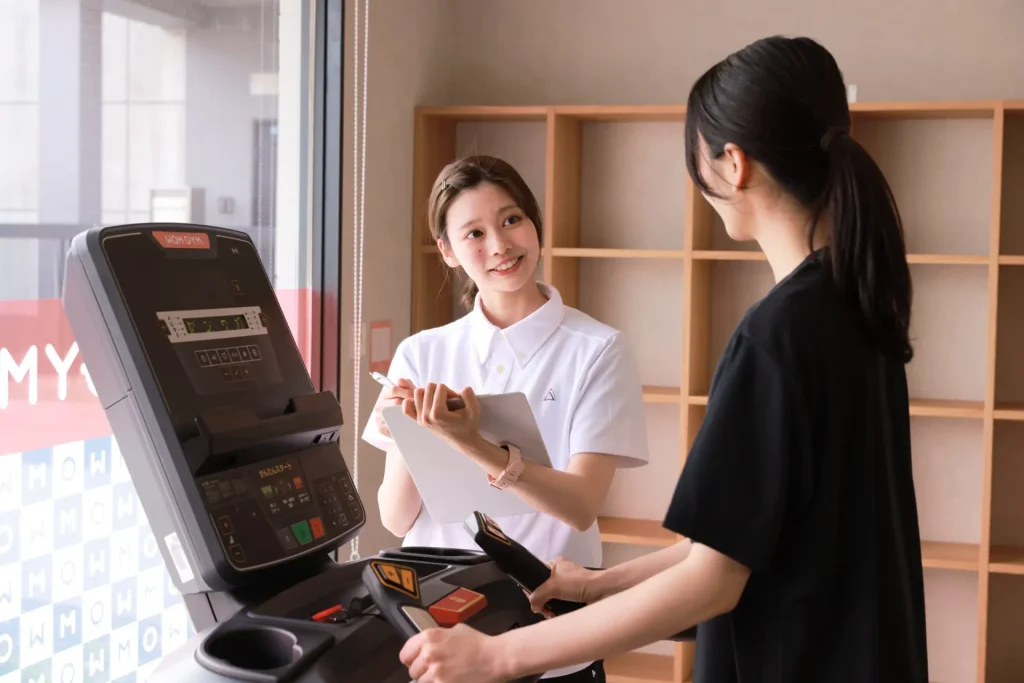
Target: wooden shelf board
{"points": [[585, 252], [915, 259], [624, 113], [939, 110], [927, 407], [637, 667], [942, 555], [1009, 411], [1006, 560], [1011, 260], [660, 394], [487, 113], [635, 531], [728, 255], [919, 407], [948, 259]]}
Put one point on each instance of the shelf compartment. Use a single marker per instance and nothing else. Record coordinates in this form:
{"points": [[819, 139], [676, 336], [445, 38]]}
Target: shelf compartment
{"points": [[1006, 559], [949, 332], [1009, 375], [1007, 505], [660, 394], [635, 667], [635, 532], [625, 170], [1004, 656], [919, 154], [1011, 206], [591, 252]]}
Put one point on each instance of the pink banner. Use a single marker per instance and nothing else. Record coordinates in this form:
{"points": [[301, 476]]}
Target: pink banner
{"points": [[46, 396]]}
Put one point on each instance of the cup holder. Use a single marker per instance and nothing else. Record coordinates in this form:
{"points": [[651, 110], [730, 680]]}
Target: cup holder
{"points": [[259, 652], [425, 553], [254, 648]]}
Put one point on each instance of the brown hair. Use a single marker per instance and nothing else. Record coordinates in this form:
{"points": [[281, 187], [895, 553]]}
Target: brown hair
{"points": [[465, 174]]}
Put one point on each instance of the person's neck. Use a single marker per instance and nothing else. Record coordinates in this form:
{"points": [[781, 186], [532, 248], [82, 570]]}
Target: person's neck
{"points": [[783, 239], [505, 309]]}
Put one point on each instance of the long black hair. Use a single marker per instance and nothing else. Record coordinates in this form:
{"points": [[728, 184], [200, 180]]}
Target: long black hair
{"points": [[783, 102]]}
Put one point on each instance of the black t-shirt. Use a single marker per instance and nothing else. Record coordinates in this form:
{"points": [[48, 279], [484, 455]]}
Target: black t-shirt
{"points": [[801, 471]]}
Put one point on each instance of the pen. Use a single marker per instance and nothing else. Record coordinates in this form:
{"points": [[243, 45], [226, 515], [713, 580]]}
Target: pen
{"points": [[453, 403]]}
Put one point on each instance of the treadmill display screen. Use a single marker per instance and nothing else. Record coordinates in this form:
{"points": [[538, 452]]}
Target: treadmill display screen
{"points": [[213, 316], [215, 324]]}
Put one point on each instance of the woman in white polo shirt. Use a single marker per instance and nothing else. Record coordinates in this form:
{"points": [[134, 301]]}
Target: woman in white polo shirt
{"points": [[578, 374]]}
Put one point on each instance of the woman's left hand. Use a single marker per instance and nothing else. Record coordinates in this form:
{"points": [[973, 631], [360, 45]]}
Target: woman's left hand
{"points": [[428, 406], [459, 654]]}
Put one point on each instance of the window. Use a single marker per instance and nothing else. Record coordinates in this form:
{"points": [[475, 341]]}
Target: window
{"points": [[115, 112]]}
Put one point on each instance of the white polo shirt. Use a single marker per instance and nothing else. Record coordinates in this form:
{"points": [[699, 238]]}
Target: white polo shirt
{"points": [[581, 380]]}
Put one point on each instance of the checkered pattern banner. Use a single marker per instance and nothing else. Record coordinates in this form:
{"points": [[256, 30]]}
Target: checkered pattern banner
{"points": [[84, 595]]}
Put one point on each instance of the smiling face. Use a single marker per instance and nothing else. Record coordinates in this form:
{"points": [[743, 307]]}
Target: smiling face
{"points": [[491, 238]]}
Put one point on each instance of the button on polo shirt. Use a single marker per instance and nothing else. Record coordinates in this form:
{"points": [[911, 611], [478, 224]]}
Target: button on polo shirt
{"points": [[581, 380]]}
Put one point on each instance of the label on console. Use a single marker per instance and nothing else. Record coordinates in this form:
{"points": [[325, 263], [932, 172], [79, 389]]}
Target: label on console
{"points": [[182, 240], [178, 556]]}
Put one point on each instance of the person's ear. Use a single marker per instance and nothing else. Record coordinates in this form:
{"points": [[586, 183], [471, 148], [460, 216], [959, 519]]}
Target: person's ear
{"points": [[735, 166], [447, 254]]}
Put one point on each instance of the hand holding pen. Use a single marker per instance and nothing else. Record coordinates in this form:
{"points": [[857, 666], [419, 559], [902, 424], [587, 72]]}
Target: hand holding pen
{"points": [[395, 393]]}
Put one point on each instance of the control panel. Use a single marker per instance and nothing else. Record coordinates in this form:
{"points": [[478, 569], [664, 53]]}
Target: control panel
{"points": [[280, 508]]}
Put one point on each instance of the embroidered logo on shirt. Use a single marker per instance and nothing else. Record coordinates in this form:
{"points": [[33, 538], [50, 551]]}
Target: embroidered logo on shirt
{"points": [[550, 396]]}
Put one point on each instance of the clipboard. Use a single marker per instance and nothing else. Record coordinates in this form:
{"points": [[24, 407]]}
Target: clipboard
{"points": [[452, 485]]}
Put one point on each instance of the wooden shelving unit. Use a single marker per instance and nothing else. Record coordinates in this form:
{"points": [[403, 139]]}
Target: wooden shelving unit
{"points": [[629, 240]]}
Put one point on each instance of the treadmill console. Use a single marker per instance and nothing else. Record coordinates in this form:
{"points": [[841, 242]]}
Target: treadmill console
{"points": [[232, 450]]}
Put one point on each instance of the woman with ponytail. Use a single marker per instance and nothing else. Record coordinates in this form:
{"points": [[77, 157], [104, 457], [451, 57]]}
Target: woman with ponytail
{"points": [[578, 374], [802, 558]]}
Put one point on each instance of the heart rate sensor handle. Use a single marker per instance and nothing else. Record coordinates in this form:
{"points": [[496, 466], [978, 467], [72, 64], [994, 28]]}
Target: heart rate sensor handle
{"points": [[512, 558], [395, 590]]}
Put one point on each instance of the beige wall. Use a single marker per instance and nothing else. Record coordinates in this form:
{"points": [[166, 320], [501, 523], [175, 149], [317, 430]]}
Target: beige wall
{"points": [[650, 51], [617, 51]]}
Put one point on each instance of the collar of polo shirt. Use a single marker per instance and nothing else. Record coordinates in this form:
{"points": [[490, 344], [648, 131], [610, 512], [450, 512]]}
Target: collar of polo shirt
{"points": [[526, 336]]}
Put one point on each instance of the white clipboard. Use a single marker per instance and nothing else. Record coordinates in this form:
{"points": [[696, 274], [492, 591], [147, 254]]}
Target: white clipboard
{"points": [[452, 485]]}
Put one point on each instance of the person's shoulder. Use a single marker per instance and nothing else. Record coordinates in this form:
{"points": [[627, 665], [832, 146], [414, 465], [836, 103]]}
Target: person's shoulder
{"points": [[580, 325], [801, 313], [433, 339]]}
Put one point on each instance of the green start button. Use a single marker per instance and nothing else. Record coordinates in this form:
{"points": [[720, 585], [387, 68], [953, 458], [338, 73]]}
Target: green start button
{"points": [[302, 532]]}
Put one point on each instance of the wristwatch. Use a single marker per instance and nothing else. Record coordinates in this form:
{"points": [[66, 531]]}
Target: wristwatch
{"points": [[512, 470]]}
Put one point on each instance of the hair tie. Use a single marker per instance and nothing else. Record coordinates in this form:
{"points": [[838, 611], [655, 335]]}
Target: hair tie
{"points": [[829, 136]]}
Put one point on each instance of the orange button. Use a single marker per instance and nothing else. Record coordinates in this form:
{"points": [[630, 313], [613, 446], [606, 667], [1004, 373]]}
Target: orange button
{"points": [[317, 526], [457, 607]]}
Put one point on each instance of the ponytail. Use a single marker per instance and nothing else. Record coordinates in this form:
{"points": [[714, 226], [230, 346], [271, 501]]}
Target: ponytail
{"points": [[469, 291], [866, 253]]}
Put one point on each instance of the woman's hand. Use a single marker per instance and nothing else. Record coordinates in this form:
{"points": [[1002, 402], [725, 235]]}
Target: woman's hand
{"points": [[568, 581], [459, 654], [428, 406], [391, 396]]}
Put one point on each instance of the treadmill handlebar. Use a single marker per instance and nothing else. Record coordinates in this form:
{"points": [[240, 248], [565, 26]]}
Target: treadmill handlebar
{"points": [[395, 589]]}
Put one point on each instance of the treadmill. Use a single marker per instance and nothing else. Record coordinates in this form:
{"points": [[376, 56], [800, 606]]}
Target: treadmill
{"points": [[236, 461]]}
